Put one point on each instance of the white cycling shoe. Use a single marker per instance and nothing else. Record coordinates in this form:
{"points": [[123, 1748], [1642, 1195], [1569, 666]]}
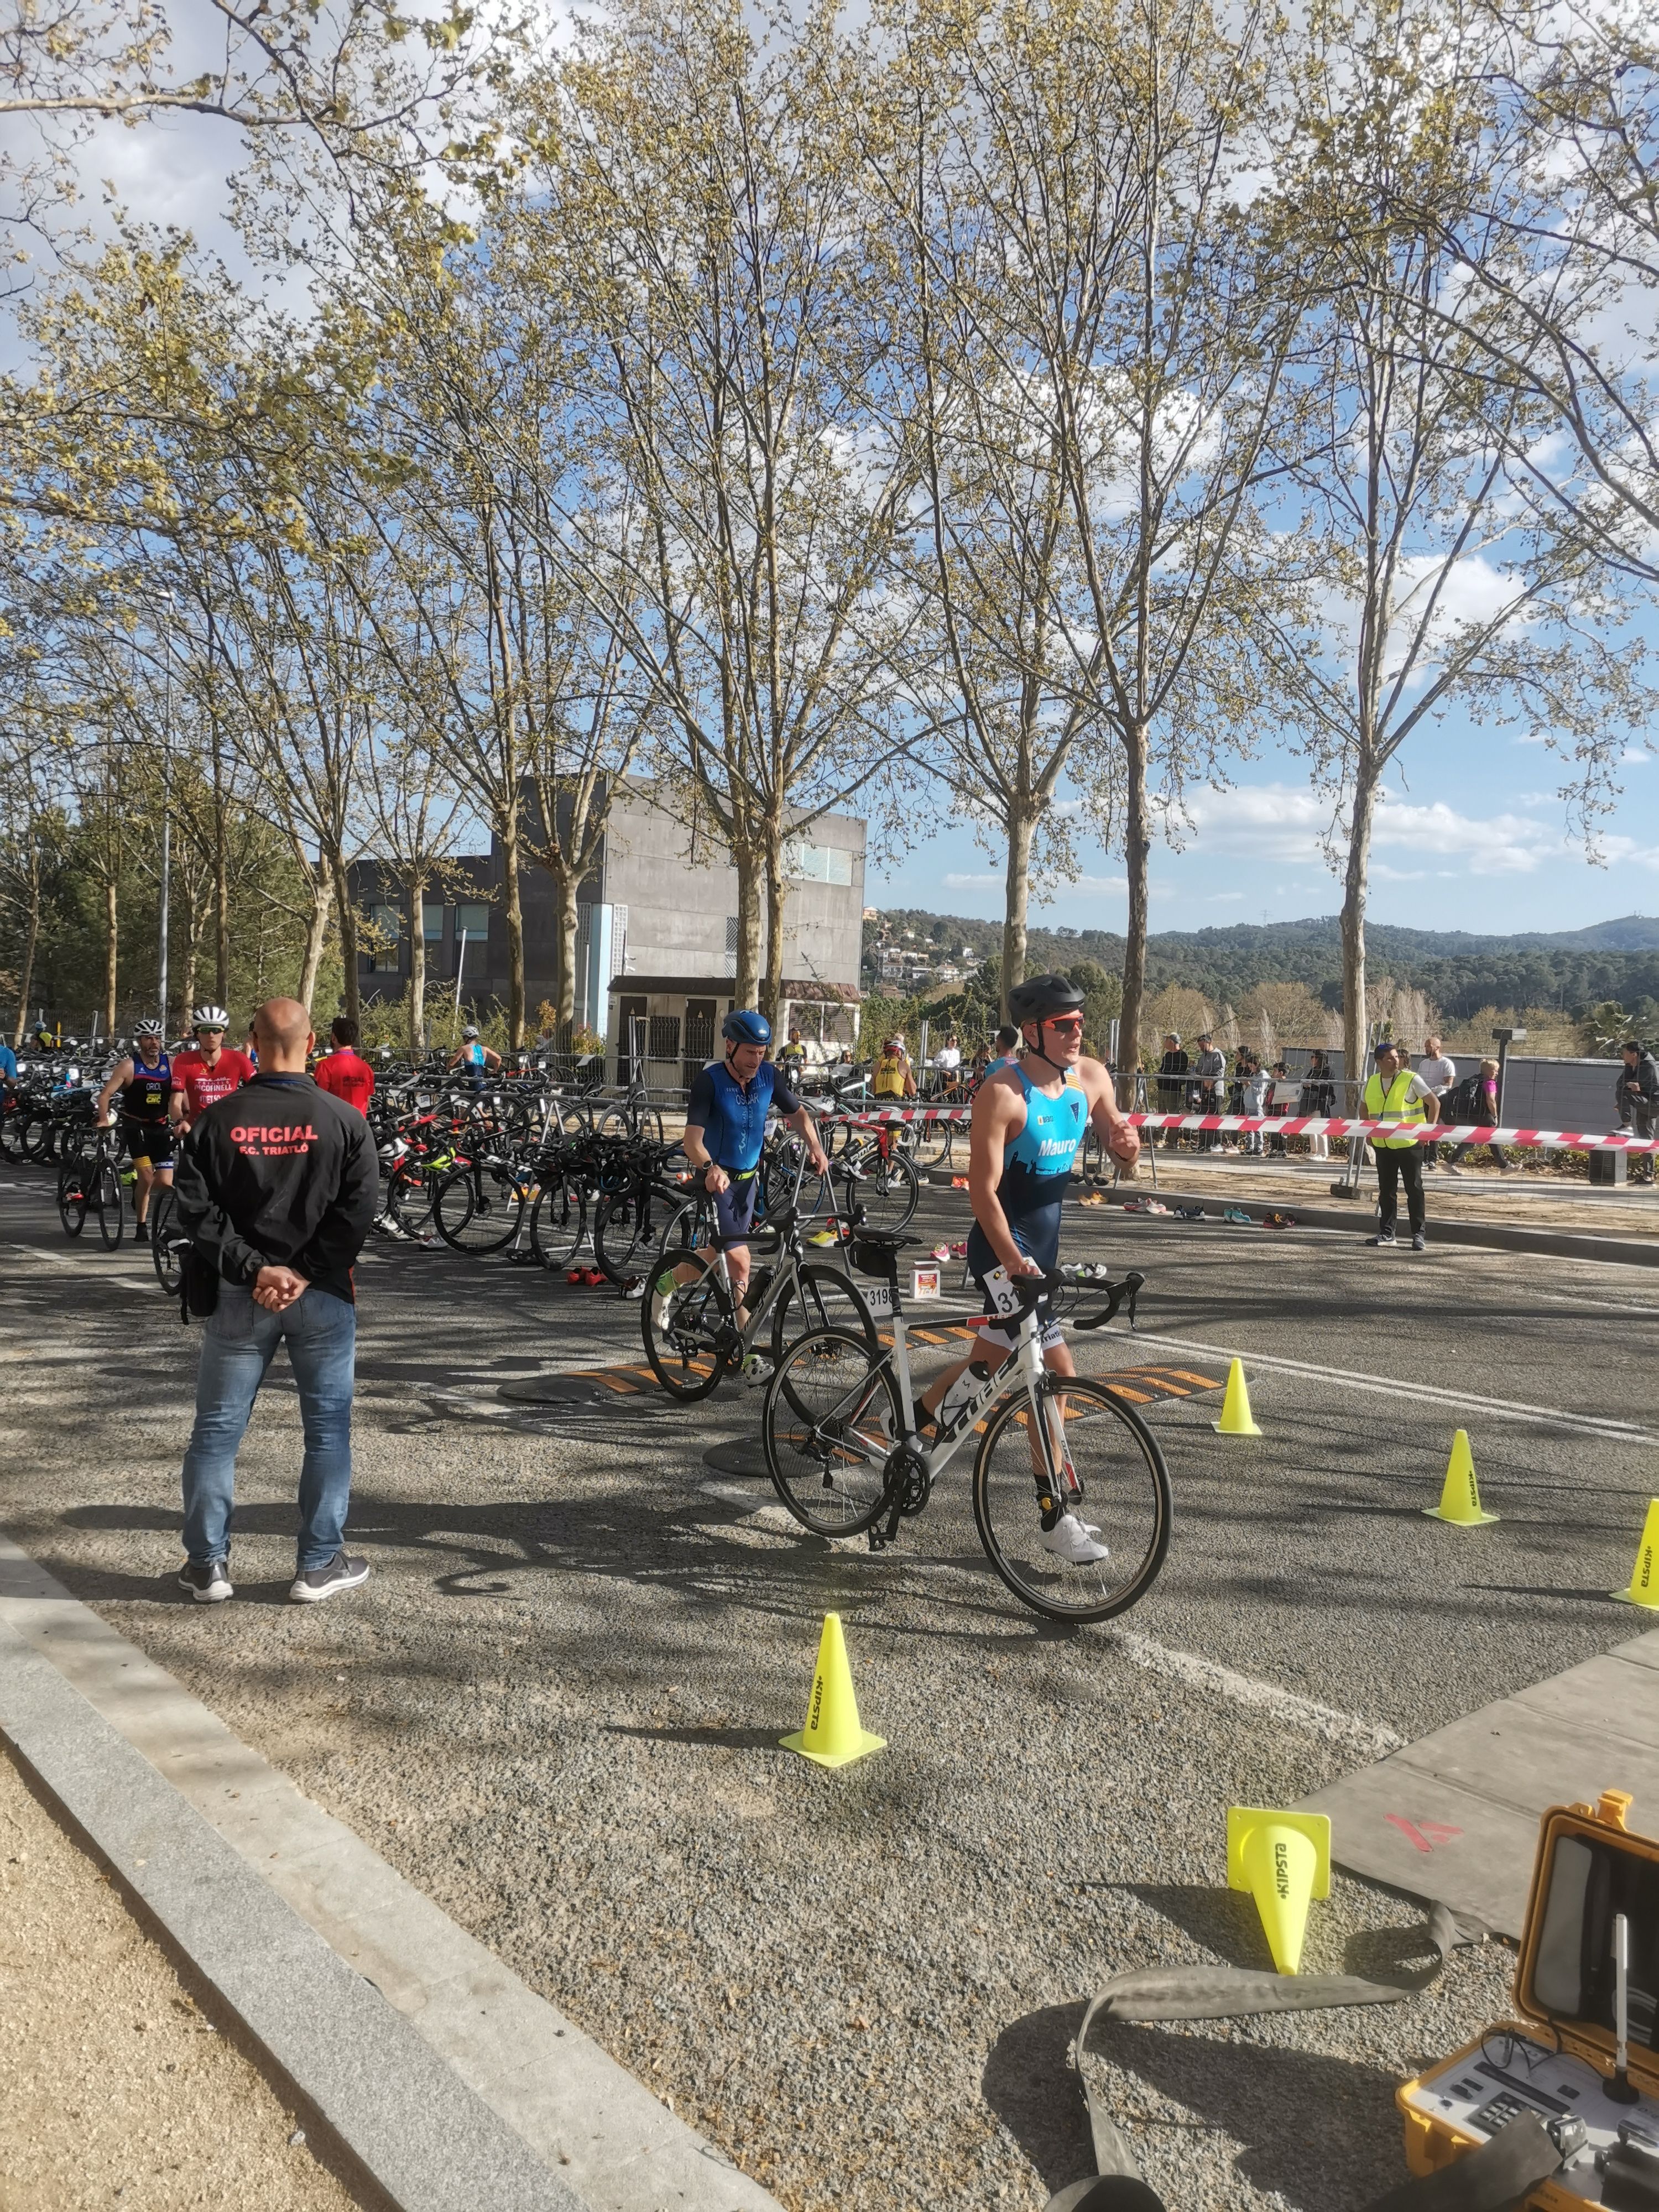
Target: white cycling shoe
{"points": [[1075, 1541]]}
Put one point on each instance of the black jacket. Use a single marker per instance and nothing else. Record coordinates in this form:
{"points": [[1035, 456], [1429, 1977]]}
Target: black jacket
{"points": [[1636, 1085], [280, 1174]]}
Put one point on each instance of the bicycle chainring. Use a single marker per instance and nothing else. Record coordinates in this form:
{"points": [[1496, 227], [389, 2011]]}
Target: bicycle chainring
{"points": [[908, 1483]]}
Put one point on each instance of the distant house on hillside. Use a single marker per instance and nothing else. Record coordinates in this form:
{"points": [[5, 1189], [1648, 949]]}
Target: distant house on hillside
{"points": [[657, 939]]}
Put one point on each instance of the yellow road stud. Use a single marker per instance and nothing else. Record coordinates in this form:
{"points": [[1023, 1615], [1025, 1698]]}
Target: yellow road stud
{"points": [[1237, 1419], [1644, 1575], [832, 1736], [1284, 1859], [1460, 1497]]}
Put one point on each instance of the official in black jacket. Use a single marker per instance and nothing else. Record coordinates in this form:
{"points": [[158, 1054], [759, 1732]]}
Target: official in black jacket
{"points": [[276, 1187]]}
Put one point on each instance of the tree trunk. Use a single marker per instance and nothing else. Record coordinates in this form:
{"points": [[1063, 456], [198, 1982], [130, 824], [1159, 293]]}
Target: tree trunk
{"points": [[417, 965], [1137, 851], [351, 997], [777, 892], [316, 936], [221, 877], [747, 981], [1354, 885], [1017, 895], [191, 950], [514, 906], [565, 888], [30, 939], [112, 947]]}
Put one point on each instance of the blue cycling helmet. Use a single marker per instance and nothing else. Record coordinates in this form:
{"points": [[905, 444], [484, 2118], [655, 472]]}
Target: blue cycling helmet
{"points": [[746, 1027]]}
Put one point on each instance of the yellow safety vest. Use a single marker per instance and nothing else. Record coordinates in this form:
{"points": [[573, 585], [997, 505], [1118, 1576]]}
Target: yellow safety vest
{"points": [[889, 1081], [1394, 1108]]}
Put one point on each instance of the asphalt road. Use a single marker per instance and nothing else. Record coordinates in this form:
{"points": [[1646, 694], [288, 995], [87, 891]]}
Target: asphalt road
{"points": [[556, 1704]]}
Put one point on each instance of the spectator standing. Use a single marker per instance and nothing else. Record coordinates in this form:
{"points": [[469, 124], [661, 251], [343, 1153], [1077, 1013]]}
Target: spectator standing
{"points": [[277, 1189], [1475, 1099], [792, 1061], [1636, 1097], [1210, 1070], [1253, 1096], [1279, 1086], [893, 1076], [1440, 1073], [1317, 1099], [1171, 1084], [343, 1073], [1396, 1094]]}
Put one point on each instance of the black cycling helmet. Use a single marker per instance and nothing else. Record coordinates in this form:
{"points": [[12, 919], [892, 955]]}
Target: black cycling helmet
{"points": [[1041, 997], [746, 1026]]}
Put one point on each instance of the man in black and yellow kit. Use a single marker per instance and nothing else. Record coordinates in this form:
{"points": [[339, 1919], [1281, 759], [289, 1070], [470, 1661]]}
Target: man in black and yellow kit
{"points": [[144, 1080], [1394, 1094]]}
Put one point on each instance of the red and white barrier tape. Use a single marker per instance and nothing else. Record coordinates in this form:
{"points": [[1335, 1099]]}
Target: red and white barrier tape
{"points": [[1314, 1124]]}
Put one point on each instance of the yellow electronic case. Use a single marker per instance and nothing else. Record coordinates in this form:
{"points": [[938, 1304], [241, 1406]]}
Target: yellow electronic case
{"points": [[1595, 1888]]}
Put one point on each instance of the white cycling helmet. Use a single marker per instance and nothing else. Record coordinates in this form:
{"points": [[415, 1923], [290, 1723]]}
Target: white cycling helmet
{"points": [[148, 1026], [210, 1017], [471, 1031]]}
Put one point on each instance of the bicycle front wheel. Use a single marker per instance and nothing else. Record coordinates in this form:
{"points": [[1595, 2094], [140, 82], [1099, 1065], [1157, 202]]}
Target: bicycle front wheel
{"points": [[109, 1204], [479, 1207], [689, 1320], [74, 1196], [163, 1257], [831, 1412], [818, 1297], [887, 1191], [1095, 1461], [558, 1223]]}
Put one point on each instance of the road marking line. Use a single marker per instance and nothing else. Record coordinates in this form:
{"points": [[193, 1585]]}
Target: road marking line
{"points": [[1504, 1409], [1186, 1667]]}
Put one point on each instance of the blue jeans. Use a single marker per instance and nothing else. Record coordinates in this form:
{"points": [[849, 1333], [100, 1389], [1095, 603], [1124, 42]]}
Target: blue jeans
{"points": [[238, 1345]]}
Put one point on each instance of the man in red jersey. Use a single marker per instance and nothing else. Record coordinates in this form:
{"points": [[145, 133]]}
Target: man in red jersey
{"points": [[343, 1073], [208, 1072]]}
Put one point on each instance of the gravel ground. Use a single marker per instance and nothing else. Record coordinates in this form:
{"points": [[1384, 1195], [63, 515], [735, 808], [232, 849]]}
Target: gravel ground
{"points": [[556, 1705], [113, 2088]]}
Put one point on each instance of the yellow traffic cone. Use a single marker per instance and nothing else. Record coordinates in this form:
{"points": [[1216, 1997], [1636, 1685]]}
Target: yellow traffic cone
{"points": [[1644, 1575], [832, 1736], [1284, 1859], [1460, 1498], [1236, 1419]]}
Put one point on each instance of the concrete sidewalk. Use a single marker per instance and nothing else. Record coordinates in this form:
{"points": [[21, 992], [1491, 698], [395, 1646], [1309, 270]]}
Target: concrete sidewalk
{"points": [[440, 2077]]}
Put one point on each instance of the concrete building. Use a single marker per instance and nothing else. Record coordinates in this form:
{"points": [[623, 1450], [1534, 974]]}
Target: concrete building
{"points": [[656, 949]]}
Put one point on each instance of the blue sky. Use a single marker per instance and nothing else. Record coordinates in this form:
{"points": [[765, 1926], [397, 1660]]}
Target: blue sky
{"points": [[1473, 836]]}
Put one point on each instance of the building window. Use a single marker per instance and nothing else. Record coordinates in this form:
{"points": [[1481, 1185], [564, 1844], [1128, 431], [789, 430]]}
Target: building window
{"points": [[432, 922], [817, 864], [472, 922], [386, 928], [664, 1043]]}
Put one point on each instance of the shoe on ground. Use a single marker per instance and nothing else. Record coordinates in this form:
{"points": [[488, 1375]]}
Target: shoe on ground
{"points": [[1238, 1215], [341, 1573], [1420, 1242], [822, 1237], [633, 1288], [1070, 1540], [576, 1275], [141, 1232], [1381, 1240], [208, 1584], [756, 1371]]}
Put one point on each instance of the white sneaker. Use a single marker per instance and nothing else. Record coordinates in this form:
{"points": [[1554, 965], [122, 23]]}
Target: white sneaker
{"points": [[1069, 1539], [757, 1371]]}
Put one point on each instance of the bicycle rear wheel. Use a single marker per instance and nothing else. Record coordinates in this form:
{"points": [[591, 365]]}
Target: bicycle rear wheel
{"points": [[820, 1297], [74, 1197], [409, 1197], [830, 1414], [558, 1223], [691, 1327], [621, 1233], [163, 1258], [108, 1203], [1103, 1465], [888, 1190], [478, 1207]]}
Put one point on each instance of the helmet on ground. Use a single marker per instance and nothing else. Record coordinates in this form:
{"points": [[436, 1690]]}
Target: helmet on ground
{"points": [[210, 1017], [1039, 998], [471, 1031], [148, 1026], [746, 1027]]}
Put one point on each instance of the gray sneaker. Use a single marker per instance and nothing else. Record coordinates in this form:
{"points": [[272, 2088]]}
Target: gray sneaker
{"points": [[1420, 1242], [341, 1573], [208, 1583], [1388, 1239]]}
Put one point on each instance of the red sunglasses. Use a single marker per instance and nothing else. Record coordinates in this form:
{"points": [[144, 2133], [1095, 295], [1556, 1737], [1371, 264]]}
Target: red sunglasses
{"points": [[1063, 1022]]}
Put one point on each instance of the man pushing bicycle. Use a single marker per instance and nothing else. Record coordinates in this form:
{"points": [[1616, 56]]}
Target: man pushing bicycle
{"points": [[1029, 1118], [724, 1129]]}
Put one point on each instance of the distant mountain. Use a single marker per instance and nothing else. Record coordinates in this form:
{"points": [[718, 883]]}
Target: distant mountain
{"points": [[1459, 970]]}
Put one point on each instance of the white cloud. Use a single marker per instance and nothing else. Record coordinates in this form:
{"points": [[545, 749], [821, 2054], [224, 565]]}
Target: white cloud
{"points": [[1284, 823], [1636, 757], [970, 882]]}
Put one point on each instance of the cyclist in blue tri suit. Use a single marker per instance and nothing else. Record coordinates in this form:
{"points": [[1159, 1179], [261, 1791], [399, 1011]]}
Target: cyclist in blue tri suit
{"points": [[724, 1128], [144, 1081], [474, 1056], [1029, 1116]]}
